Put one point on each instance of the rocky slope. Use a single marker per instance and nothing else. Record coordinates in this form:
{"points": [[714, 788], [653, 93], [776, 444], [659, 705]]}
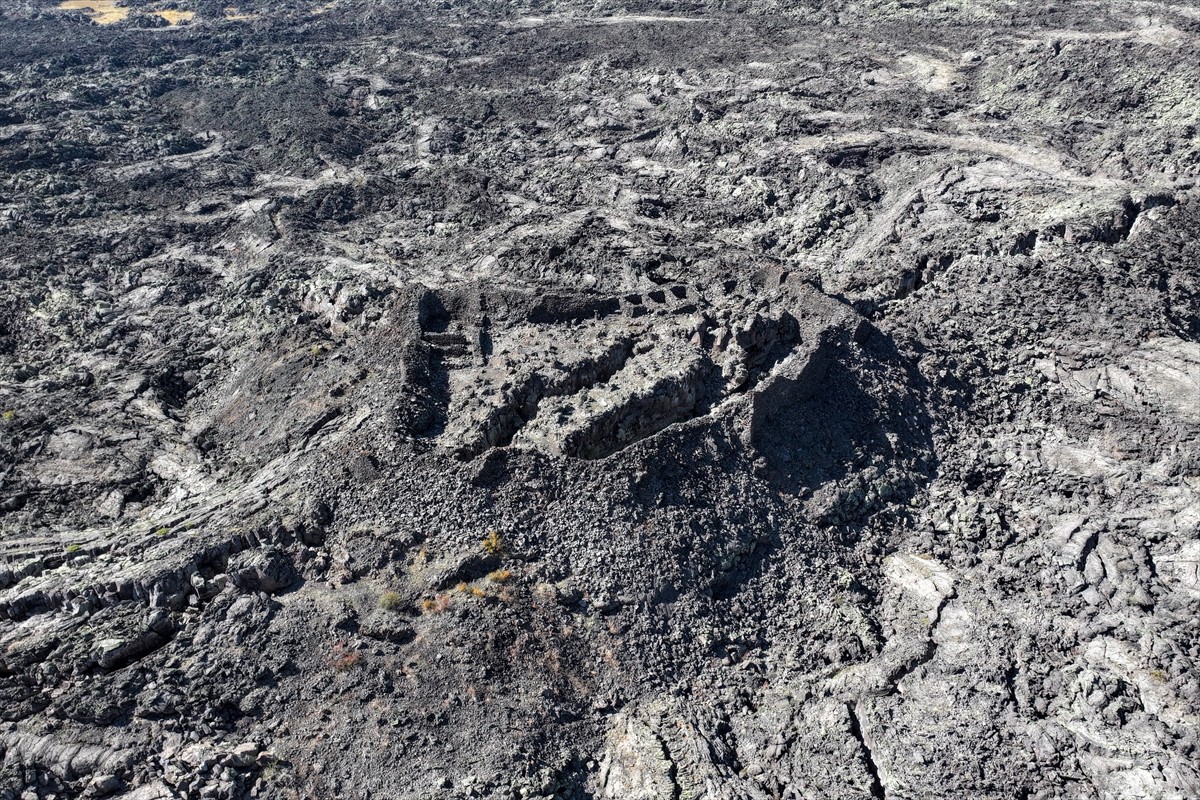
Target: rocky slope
{"points": [[671, 400]]}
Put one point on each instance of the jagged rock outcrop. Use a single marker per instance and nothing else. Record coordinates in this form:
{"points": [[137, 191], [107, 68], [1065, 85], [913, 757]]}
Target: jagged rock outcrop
{"points": [[702, 400]]}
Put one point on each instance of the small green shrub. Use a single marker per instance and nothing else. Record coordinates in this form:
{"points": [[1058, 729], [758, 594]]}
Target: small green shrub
{"points": [[74, 548], [163, 531], [391, 601], [9, 415]]}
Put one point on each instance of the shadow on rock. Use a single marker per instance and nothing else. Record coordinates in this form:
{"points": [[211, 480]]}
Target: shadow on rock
{"points": [[860, 406]]}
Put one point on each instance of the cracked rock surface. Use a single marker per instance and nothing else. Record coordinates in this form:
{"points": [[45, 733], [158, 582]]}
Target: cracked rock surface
{"points": [[667, 400]]}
